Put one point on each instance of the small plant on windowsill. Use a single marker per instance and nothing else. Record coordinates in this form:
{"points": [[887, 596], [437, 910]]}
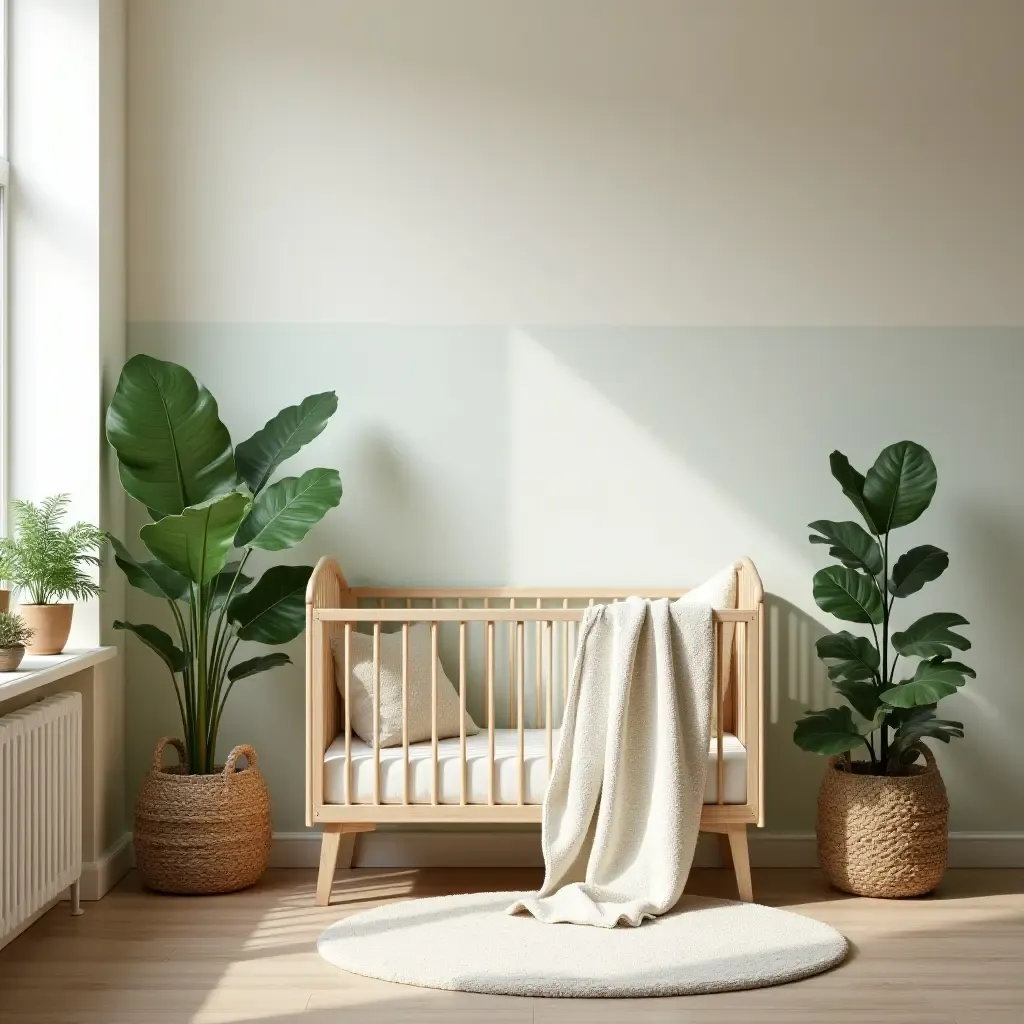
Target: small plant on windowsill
{"points": [[882, 820], [14, 635], [48, 565]]}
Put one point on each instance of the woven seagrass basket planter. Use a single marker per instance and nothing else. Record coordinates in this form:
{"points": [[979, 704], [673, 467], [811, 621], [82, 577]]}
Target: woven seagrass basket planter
{"points": [[202, 834], [883, 836]]}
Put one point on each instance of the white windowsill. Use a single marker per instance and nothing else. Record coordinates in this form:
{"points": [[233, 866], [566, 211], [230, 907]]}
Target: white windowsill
{"points": [[38, 670]]}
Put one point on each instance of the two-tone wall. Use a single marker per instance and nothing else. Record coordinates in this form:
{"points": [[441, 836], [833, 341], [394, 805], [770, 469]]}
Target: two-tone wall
{"points": [[600, 286]]}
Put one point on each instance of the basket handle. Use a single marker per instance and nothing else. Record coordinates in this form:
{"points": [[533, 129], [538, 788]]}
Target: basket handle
{"points": [[158, 754], [242, 750]]}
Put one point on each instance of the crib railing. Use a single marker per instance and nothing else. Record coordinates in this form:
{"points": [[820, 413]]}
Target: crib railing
{"points": [[540, 630]]}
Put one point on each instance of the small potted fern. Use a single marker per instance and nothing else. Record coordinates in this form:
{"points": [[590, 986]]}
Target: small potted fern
{"points": [[14, 634], [48, 565]]}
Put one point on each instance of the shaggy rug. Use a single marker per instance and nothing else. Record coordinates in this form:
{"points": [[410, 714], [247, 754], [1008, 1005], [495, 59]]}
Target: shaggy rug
{"points": [[469, 943]]}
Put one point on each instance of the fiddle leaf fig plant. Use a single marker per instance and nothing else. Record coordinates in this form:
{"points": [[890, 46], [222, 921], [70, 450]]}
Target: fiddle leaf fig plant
{"points": [[211, 506], [884, 715]]}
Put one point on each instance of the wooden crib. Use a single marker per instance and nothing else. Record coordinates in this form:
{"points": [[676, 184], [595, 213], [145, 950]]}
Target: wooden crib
{"points": [[514, 651]]}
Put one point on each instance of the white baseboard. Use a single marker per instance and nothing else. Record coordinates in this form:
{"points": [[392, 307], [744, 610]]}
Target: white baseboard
{"points": [[101, 875], [459, 848]]}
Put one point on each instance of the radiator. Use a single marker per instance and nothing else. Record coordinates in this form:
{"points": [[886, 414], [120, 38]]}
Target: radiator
{"points": [[40, 807]]}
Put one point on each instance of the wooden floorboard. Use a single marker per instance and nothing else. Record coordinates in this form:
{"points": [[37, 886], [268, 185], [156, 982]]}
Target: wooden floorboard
{"points": [[137, 958]]}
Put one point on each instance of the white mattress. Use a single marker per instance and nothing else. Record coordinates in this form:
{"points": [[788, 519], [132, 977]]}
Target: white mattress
{"points": [[506, 770]]}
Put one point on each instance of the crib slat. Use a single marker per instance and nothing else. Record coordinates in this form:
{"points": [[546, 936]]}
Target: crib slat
{"points": [[462, 710], [348, 713], [719, 661], [550, 630], [376, 712], [739, 696], [520, 687], [490, 713], [565, 652], [433, 712], [536, 679], [511, 667], [405, 712]]}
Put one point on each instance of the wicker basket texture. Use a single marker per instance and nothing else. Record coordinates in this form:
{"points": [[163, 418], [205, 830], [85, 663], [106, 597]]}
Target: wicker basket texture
{"points": [[202, 834], [880, 835]]}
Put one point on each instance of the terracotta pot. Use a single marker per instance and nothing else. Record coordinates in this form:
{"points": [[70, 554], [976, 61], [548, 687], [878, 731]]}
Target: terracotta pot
{"points": [[883, 836], [10, 658], [51, 624], [202, 834], [5, 600]]}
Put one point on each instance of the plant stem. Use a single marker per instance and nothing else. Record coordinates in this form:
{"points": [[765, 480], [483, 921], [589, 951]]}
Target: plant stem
{"points": [[220, 636], [222, 700], [884, 743], [202, 695], [186, 679]]}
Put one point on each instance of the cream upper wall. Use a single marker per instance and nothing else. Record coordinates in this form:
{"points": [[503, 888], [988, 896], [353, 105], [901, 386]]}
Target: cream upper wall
{"points": [[577, 161]]}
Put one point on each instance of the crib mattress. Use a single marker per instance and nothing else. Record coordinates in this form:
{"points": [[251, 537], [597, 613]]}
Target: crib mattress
{"points": [[506, 770]]}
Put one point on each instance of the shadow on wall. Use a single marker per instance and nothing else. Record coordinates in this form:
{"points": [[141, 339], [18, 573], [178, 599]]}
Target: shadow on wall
{"points": [[742, 421], [795, 680]]}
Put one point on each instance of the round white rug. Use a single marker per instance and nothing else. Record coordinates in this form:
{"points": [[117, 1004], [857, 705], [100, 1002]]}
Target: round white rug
{"points": [[468, 943]]}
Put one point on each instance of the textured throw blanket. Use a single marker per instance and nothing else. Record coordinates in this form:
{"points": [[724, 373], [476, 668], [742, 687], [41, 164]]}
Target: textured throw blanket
{"points": [[622, 810]]}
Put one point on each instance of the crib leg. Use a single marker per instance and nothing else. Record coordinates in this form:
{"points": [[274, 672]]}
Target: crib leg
{"points": [[339, 843], [741, 861]]}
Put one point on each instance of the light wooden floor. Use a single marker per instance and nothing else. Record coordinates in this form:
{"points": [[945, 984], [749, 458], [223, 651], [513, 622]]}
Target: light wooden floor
{"points": [[138, 958]]}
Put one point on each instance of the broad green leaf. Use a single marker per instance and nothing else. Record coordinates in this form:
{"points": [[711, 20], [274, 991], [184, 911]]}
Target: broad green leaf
{"points": [[150, 576], [921, 723], [274, 611], [222, 584], [848, 656], [197, 543], [847, 594], [173, 451], [851, 482], [256, 665], [932, 681], [830, 731], [900, 485], [850, 543], [281, 437], [157, 640], [849, 670], [917, 567], [861, 694], [955, 666], [931, 636], [287, 510]]}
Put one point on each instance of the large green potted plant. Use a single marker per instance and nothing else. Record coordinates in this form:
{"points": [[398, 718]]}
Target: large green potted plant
{"points": [[48, 565], [882, 816], [200, 827]]}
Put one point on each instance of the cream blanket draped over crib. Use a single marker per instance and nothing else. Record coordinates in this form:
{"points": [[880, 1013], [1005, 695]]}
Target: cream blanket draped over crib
{"points": [[622, 810]]}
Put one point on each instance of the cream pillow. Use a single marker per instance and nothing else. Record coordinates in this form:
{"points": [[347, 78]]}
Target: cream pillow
{"points": [[361, 688]]}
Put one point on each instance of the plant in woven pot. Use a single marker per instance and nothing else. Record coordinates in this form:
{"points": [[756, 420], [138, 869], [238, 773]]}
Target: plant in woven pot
{"points": [[14, 634], [48, 565], [882, 816], [203, 827]]}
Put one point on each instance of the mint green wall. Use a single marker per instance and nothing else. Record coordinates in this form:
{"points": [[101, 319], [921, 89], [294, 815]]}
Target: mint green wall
{"points": [[635, 455]]}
